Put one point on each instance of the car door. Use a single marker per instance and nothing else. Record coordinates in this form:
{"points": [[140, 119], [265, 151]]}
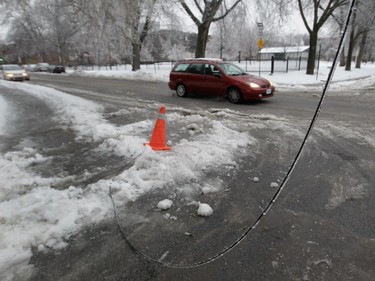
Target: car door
{"points": [[214, 81], [194, 78]]}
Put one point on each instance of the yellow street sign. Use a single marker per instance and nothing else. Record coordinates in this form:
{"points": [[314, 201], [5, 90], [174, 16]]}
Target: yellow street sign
{"points": [[260, 43]]}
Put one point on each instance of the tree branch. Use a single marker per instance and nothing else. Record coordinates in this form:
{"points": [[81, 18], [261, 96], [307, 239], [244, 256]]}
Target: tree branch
{"points": [[190, 13], [304, 17], [227, 11], [199, 7]]}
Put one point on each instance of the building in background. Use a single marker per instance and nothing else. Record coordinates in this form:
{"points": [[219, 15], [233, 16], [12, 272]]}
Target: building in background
{"points": [[282, 53]]}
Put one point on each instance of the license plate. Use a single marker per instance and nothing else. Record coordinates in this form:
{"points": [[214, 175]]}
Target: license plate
{"points": [[269, 91]]}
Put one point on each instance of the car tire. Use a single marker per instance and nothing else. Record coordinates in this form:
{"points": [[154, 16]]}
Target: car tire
{"points": [[181, 90], [234, 95]]}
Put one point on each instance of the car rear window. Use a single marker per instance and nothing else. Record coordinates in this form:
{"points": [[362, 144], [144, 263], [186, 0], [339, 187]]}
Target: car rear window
{"points": [[181, 67]]}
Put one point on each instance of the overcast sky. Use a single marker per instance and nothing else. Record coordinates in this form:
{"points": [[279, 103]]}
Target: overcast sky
{"points": [[293, 26]]}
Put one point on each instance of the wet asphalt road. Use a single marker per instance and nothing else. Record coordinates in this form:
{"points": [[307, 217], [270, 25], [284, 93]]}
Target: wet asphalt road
{"points": [[320, 228]]}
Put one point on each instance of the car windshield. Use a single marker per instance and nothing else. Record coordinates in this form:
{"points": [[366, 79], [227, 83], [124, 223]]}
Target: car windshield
{"points": [[12, 67], [231, 69]]}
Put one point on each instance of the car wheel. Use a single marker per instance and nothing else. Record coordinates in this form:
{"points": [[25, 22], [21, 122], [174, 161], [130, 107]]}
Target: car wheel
{"points": [[181, 90], [234, 95]]}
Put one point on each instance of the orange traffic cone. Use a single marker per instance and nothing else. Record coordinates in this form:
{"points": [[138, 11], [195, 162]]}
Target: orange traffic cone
{"points": [[157, 141]]}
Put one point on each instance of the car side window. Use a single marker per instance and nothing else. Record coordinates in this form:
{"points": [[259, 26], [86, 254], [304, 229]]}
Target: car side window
{"points": [[195, 68], [181, 67], [210, 69]]}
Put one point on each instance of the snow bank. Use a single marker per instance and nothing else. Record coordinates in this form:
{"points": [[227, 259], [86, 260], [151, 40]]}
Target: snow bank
{"points": [[3, 115]]}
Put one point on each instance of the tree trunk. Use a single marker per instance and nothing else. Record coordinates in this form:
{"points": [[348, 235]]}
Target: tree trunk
{"points": [[202, 39], [352, 39], [361, 49], [349, 57], [342, 57], [136, 65], [312, 52]]}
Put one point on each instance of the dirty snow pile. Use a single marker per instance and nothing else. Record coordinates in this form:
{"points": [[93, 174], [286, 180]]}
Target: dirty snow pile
{"points": [[204, 210], [165, 204]]}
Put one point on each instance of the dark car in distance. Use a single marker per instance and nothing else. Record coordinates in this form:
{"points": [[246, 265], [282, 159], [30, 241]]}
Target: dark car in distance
{"points": [[56, 68], [217, 77]]}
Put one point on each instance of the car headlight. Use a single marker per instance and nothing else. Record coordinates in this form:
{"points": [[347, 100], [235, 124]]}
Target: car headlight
{"points": [[25, 74], [9, 74], [254, 85]]}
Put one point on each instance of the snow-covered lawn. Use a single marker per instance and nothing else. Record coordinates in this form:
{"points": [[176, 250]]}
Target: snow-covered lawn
{"points": [[293, 79], [33, 214]]}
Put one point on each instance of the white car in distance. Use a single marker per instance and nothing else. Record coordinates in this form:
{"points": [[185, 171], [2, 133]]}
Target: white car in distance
{"points": [[13, 72]]}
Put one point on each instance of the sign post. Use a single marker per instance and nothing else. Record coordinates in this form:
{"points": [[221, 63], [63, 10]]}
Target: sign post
{"points": [[260, 29], [260, 42]]}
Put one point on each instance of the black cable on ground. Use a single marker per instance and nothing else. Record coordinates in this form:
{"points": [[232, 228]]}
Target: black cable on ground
{"points": [[282, 185]]}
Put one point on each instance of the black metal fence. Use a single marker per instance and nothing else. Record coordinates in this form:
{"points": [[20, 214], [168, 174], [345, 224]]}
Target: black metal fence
{"points": [[253, 66]]}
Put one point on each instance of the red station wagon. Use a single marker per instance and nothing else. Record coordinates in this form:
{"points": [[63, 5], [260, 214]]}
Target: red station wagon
{"points": [[219, 78]]}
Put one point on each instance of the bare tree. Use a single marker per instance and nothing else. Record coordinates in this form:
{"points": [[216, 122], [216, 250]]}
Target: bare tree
{"points": [[133, 19], [369, 52], [339, 18], [228, 35], [25, 21], [45, 25], [322, 10], [99, 39], [119, 24], [140, 24], [62, 24], [207, 10], [362, 22]]}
